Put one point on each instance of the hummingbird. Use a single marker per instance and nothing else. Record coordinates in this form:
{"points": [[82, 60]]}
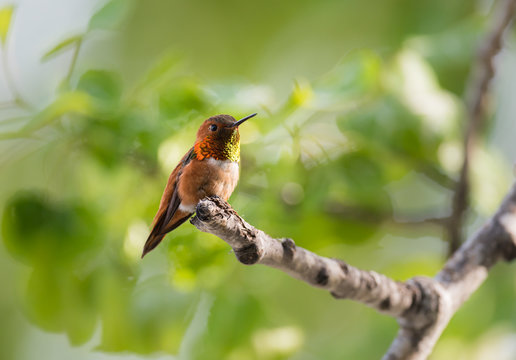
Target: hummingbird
{"points": [[210, 167]]}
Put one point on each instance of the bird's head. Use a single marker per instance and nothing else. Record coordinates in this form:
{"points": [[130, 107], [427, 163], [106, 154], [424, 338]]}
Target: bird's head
{"points": [[218, 138]]}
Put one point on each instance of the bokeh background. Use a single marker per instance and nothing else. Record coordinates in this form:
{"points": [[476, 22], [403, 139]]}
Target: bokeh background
{"points": [[357, 142]]}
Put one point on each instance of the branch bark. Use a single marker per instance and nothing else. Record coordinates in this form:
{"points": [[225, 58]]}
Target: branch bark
{"points": [[477, 89], [423, 306]]}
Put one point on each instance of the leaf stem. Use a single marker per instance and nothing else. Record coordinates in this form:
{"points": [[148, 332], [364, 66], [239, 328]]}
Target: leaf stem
{"points": [[73, 62]]}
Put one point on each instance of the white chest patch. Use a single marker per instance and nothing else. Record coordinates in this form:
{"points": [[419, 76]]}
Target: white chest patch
{"points": [[224, 185], [225, 165]]}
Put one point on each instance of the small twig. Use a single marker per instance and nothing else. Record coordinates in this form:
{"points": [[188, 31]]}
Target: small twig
{"points": [[478, 85], [368, 215], [436, 175], [433, 221]]}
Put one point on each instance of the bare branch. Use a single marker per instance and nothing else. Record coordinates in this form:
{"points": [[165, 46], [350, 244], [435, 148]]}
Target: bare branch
{"points": [[253, 246], [460, 277], [478, 85], [423, 306], [429, 304]]}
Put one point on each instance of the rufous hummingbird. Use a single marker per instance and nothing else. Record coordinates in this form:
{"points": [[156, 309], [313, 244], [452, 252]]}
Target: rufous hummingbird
{"points": [[210, 167]]}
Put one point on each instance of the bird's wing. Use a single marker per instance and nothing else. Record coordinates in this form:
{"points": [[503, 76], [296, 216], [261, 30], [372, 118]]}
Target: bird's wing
{"points": [[170, 200]]}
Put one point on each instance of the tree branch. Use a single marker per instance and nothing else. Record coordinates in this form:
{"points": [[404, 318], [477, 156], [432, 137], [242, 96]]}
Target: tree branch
{"points": [[253, 246], [464, 272], [478, 85], [423, 306]]}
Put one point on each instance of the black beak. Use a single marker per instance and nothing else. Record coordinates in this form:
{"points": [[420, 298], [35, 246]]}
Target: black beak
{"points": [[243, 119]]}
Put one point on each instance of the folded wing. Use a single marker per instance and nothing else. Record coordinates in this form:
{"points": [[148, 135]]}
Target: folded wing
{"points": [[168, 217]]}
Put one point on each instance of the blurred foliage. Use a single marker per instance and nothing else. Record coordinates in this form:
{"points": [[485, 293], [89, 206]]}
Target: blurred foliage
{"points": [[5, 20], [336, 160]]}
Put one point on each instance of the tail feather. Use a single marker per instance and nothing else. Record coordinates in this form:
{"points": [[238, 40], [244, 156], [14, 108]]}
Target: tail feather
{"points": [[152, 241], [157, 234]]}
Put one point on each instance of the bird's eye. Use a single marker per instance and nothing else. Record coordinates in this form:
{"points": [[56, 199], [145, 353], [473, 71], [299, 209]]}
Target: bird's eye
{"points": [[213, 127]]}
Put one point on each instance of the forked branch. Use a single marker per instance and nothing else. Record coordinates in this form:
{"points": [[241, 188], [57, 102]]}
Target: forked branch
{"points": [[423, 306], [476, 92]]}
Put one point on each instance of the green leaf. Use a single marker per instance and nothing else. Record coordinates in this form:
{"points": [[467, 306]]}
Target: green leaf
{"points": [[62, 46], [162, 70], [102, 85], [6, 14], [75, 102], [357, 76], [181, 95], [35, 229], [110, 16]]}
